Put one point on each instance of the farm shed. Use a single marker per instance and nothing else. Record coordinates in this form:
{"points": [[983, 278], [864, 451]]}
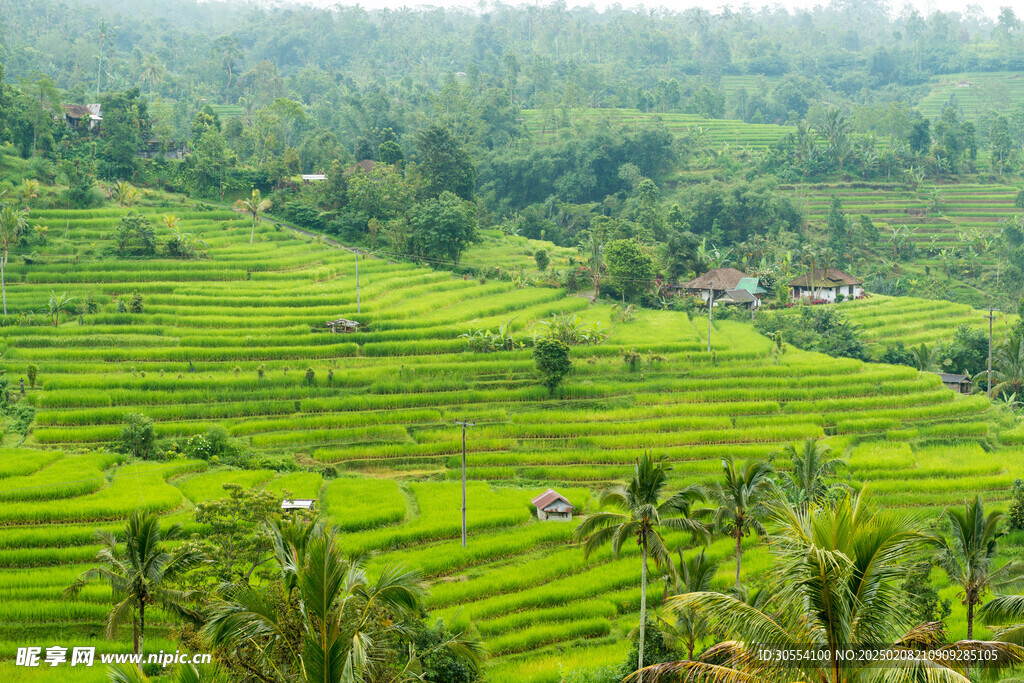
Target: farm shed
{"points": [[298, 504], [342, 326], [553, 506], [719, 280], [961, 384], [827, 284], [313, 177]]}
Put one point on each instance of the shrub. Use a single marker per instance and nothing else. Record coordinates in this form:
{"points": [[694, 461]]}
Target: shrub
{"points": [[552, 359], [310, 378], [33, 372], [135, 303], [1016, 511], [542, 259], [138, 438], [122, 307]]}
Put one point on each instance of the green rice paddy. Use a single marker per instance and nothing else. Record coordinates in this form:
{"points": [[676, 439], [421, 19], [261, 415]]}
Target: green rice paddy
{"points": [[227, 341]]}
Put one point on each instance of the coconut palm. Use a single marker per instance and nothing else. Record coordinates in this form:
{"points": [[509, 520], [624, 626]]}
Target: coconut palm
{"points": [[640, 510], [968, 556], [690, 576], [13, 222], [811, 467], [924, 357], [254, 206], [334, 605], [740, 498], [1007, 368], [837, 571], [139, 573], [152, 71]]}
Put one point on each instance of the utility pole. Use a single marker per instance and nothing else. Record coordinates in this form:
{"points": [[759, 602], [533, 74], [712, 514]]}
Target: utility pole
{"points": [[990, 316], [359, 307], [711, 301], [464, 425]]}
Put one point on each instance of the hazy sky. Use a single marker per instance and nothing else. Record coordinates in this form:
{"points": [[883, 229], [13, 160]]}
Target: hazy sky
{"points": [[989, 7]]}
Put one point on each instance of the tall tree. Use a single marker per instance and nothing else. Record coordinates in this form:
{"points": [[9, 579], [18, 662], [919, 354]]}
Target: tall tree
{"points": [[968, 556], [139, 574], [444, 163], [640, 511], [255, 205], [741, 501], [13, 222]]}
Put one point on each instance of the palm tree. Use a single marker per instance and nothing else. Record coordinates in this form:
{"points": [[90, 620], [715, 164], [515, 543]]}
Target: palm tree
{"points": [[967, 556], [13, 223], [1007, 368], [691, 576], [152, 71], [740, 501], [837, 570], [812, 465], [639, 512], [139, 573], [924, 357], [58, 303], [254, 206], [334, 605]]}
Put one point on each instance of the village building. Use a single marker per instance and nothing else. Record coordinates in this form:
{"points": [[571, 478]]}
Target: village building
{"points": [[291, 504], [719, 280], [553, 506], [313, 177], [731, 287], [79, 115], [961, 384], [827, 284], [737, 297]]}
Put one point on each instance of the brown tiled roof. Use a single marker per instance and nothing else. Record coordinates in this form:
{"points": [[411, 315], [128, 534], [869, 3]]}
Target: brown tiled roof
{"points": [[719, 278], [366, 165], [548, 497], [81, 111], [825, 277]]}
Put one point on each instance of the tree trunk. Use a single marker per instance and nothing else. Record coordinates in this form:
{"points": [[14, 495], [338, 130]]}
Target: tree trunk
{"points": [[739, 555], [643, 611], [970, 632], [252, 235], [142, 632], [3, 283]]}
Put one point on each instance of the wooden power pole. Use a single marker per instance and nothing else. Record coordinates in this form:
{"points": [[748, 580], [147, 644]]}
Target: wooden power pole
{"points": [[464, 425], [991, 316]]}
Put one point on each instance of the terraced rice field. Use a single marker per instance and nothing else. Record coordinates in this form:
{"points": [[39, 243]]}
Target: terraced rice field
{"points": [[720, 132], [227, 341], [937, 217], [886, 320], [973, 93]]}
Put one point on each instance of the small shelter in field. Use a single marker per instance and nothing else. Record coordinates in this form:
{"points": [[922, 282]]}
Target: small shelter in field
{"points": [[289, 504], [342, 326], [313, 177], [362, 166], [961, 384], [718, 280], [827, 284], [553, 506]]}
